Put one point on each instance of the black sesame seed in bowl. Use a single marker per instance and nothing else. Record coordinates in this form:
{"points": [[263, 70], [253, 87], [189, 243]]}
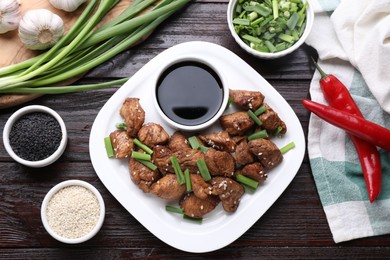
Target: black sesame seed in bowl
{"points": [[35, 136]]}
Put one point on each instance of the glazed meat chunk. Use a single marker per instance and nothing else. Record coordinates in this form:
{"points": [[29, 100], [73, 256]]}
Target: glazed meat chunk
{"points": [[220, 163], [133, 115], [247, 99], [152, 134], [142, 176], [255, 171], [200, 187], [243, 155], [160, 158], [229, 192], [236, 123], [168, 188], [122, 144], [178, 142], [220, 141], [187, 159], [271, 120], [267, 152], [196, 207]]}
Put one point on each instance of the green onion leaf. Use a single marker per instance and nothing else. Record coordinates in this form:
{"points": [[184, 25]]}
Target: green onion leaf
{"points": [[287, 147], [141, 156], [174, 209], [109, 148], [198, 220], [187, 177], [254, 117], [194, 143], [148, 164], [177, 169], [142, 146], [247, 181], [204, 171], [121, 126], [260, 110], [259, 134]]}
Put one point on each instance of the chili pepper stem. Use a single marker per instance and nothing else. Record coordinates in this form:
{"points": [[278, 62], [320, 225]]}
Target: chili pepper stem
{"points": [[323, 74]]}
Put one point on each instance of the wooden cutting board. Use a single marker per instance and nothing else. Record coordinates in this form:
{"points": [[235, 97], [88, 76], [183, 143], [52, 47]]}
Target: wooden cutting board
{"points": [[12, 50]]}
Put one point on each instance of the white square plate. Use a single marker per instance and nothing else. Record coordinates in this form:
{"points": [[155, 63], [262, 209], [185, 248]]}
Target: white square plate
{"points": [[218, 228]]}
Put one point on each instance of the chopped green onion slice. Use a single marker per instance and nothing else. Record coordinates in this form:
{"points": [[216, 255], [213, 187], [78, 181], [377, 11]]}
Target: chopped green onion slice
{"points": [[204, 171], [203, 148], [174, 209], [247, 181], [292, 21], [177, 169], [278, 130], [142, 146], [260, 110], [287, 147], [194, 143], [259, 134], [248, 188], [148, 164], [121, 126], [187, 177], [275, 9], [198, 220], [109, 148], [241, 21], [254, 117], [251, 38], [141, 156]]}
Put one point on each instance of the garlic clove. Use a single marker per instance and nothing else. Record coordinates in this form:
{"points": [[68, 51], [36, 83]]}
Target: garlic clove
{"points": [[9, 15], [67, 5], [40, 29]]}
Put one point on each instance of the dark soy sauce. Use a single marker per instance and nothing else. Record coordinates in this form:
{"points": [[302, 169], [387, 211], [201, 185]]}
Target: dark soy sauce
{"points": [[189, 93]]}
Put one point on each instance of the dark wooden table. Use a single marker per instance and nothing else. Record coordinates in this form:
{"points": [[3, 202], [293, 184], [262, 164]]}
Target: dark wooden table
{"points": [[295, 227]]}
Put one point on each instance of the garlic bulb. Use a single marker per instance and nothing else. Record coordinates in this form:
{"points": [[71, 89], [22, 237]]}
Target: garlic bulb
{"points": [[9, 15], [40, 29], [67, 5]]}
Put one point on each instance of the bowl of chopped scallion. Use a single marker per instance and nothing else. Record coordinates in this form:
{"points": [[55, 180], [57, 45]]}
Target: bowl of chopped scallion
{"points": [[270, 29]]}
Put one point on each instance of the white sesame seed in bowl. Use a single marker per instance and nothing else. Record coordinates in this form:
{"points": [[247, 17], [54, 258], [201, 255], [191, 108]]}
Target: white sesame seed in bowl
{"points": [[73, 211]]}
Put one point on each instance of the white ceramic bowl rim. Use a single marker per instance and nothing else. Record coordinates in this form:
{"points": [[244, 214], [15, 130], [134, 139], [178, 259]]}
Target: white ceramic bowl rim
{"points": [[53, 191], [265, 55], [206, 124], [26, 110]]}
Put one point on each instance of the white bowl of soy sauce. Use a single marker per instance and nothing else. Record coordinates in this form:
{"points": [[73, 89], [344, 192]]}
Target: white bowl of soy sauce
{"points": [[190, 94], [35, 136]]}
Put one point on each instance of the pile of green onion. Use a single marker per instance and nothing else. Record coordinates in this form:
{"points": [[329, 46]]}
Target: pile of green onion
{"points": [[85, 46], [270, 25]]}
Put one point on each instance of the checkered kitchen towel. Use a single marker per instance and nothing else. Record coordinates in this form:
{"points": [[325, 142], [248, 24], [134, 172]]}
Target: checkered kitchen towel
{"points": [[351, 39]]}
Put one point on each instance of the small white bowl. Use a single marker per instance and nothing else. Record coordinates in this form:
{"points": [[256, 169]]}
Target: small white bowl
{"points": [[31, 109], [219, 112], [275, 55], [57, 188]]}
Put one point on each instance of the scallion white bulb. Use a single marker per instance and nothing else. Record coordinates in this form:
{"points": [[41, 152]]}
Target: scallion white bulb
{"points": [[67, 5], [9, 15], [40, 29]]}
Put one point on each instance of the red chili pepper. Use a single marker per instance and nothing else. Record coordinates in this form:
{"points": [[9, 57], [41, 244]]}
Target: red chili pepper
{"points": [[339, 97], [360, 127]]}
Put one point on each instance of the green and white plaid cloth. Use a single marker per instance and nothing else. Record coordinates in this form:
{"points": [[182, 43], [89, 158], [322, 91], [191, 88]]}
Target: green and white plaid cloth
{"points": [[334, 161]]}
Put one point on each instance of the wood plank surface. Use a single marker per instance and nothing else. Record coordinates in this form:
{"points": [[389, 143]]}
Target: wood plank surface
{"points": [[295, 227]]}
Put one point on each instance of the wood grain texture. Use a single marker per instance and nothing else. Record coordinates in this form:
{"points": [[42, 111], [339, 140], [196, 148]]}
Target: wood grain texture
{"points": [[295, 227]]}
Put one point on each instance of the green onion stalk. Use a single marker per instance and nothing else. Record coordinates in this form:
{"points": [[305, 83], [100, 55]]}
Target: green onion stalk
{"points": [[84, 47]]}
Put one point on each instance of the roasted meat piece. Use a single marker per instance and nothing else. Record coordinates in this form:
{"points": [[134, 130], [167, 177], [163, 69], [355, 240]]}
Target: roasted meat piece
{"points": [[178, 142], [133, 115], [200, 188], [187, 159], [236, 123], [255, 171], [152, 134], [220, 141], [243, 155], [271, 120], [229, 192], [160, 158], [196, 207], [142, 176], [168, 188], [220, 163], [123, 145], [266, 151], [247, 99]]}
